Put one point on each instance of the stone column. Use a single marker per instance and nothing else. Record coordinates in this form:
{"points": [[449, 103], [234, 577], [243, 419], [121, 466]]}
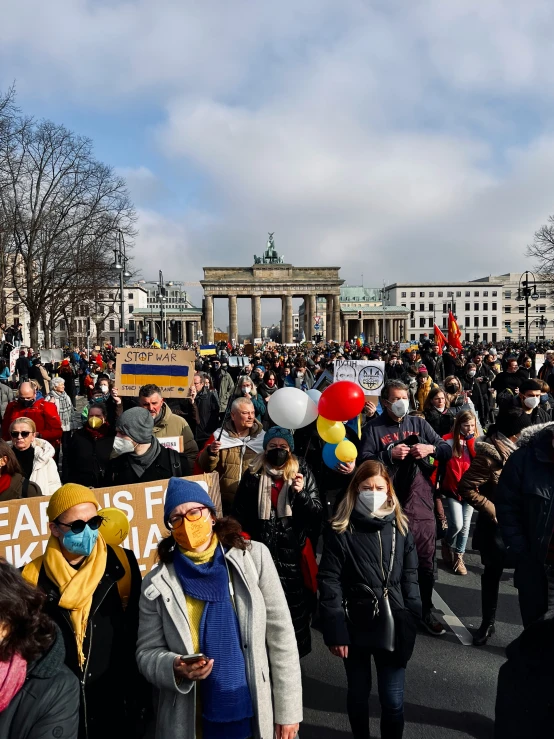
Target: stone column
{"points": [[307, 325], [375, 329], [233, 321], [328, 317], [288, 319], [344, 328], [360, 324], [191, 331], [256, 317], [406, 329], [283, 319], [336, 318], [389, 329], [209, 319]]}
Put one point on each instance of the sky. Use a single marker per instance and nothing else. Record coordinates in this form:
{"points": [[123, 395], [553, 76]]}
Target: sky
{"points": [[401, 140]]}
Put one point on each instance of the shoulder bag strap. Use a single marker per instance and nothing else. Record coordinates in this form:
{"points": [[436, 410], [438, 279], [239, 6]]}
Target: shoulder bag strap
{"points": [[392, 553]]}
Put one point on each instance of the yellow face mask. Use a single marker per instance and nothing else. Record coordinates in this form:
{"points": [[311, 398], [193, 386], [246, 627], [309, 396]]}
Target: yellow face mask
{"points": [[192, 534], [94, 422]]}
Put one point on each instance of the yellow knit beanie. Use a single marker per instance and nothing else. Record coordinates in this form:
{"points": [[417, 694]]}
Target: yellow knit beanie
{"points": [[67, 496]]}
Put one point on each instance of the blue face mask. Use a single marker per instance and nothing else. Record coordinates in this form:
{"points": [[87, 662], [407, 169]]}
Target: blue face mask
{"points": [[469, 436], [81, 544], [544, 397]]}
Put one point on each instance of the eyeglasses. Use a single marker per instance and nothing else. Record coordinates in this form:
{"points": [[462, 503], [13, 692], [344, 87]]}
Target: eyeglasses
{"points": [[78, 526], [17, 434], [176, 521]]}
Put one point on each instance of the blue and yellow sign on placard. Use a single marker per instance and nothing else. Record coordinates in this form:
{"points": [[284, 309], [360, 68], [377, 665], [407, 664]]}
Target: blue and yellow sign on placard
{"points": [[171, 370]]}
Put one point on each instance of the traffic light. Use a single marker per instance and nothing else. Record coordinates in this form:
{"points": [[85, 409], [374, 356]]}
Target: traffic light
{"points": [[88, 325], [360, 315]]}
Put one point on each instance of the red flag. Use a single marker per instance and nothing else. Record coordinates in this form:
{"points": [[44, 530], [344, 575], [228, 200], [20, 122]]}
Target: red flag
{"points": [[440, 339], [454, 333]]}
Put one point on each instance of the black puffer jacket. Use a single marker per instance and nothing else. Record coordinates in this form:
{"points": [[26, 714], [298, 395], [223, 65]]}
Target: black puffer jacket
{"points": [[337, 571], [109, 681], [285, 539], [525, 494], [441, 423], [89, 457], [48, 703]]}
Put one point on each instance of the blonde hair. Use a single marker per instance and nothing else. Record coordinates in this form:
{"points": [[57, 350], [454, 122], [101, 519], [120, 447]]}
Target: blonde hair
{"points": [[372, 468], [289, 470], [27, 421]]}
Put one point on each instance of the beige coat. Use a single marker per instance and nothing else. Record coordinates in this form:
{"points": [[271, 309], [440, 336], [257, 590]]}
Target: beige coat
{"points": [[229, 463], [45, 470], [173, 425], [267, 633]]}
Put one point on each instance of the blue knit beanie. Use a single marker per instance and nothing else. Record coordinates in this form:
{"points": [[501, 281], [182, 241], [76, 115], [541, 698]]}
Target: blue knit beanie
{"points": [[184, 491], [278, 432]]}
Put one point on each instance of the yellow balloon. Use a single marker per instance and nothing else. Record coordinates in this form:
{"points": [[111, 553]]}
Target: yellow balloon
{"points": [[115, 526], [346, 451], [330, 431]]}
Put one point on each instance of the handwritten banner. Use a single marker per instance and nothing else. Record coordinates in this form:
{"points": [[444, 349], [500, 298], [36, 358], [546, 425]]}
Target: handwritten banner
{"points": [[171, 370]]}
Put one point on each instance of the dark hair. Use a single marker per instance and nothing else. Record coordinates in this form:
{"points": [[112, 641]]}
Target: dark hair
{"points": [[147, 390], [30, 631], [392, 385], [12, 465], [511, 422], [530, 384], [102, 407], [432, 395], [229, 533], [462, 417], [268, 375]]}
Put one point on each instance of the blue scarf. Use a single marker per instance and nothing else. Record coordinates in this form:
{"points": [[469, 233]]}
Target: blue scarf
{"points": [[226, 703]]}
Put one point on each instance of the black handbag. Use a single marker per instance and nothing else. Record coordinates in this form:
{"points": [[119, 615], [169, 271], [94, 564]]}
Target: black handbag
{"points": [[368, 613]]}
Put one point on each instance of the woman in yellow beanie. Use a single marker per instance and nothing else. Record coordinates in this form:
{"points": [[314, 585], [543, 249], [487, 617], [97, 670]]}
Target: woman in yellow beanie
{"points": [[92, 589]]}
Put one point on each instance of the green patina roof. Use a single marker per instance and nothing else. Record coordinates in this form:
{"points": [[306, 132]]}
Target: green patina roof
{"points": [[361, 294]]}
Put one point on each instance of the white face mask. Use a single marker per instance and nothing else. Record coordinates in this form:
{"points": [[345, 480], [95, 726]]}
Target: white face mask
{"points": [[532, 402], [105, 389], [121, 446], [369, 501], [399, 408], [471, 373]]}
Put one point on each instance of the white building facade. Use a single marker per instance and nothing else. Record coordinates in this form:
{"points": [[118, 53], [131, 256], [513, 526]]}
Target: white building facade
{"points": [[477, 306]]}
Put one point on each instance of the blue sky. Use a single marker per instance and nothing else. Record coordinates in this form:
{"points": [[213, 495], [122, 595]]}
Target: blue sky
{"points": [[401, 140]]}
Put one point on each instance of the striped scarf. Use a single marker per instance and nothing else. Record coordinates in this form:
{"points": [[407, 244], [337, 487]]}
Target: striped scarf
{"points": [[65, 408]]}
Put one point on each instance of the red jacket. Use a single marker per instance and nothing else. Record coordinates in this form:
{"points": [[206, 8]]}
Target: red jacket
{"points": [[44, 414], [455, 468]]}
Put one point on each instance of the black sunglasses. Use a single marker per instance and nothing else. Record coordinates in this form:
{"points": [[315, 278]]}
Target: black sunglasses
{"points": [[78, 526], [17, 434]]}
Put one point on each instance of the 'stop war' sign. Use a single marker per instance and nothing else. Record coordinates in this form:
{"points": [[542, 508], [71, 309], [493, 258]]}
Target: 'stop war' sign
{"points": [[171, 370]]}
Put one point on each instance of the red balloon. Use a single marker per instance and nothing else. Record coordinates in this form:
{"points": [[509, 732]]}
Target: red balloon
{"points": [[341, 401]]}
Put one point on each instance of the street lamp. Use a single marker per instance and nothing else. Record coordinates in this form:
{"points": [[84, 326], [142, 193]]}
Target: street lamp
{"points": [[541, 323], [525, 291], [120, 265], [162, 297]]}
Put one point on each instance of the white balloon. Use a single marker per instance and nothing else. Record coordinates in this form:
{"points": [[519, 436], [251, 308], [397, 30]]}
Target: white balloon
{"points": [[315, 395], [291, 408]]}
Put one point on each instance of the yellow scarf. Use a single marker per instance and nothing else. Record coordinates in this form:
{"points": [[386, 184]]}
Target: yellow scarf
{"points": [[76, 586]]}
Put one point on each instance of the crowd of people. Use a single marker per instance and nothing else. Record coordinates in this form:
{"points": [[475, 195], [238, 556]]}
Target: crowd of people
{"points": [[209, 643]]}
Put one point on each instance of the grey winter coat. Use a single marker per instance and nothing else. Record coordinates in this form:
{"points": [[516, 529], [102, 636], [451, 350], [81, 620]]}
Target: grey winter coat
{"points": [[269, 645]]}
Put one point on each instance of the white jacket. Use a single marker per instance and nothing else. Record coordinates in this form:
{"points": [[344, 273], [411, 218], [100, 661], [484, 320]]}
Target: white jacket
{"points": [[45, 470]]}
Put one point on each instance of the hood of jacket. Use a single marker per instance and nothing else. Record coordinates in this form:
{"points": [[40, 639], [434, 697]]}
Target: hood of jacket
{"points": [[44, 451], [51, 661], [536, 436]]}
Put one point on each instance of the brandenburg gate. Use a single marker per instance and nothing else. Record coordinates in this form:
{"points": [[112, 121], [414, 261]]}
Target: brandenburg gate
{"points": [[270, 277]]}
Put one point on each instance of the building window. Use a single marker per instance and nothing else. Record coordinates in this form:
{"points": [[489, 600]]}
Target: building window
{"points": [[468, 293], [61, 324], [521, 309], [412, 306], [508, 324], [507, 309], [112, 324], [431, 306], [412, 322], [485, 306], [110, 296], [485, 293], [468, 306], [412, 295], [475, 321], [100, 296], [421, 294], [494, 320], [485, 321], [422, 306], [467, 321], [131, 325], [494, 306], [131, 308], [445, 307], [403, 305], [403, 294], [476, 294], [485, 337], [493, 338], [440, 294], [542, 308], [444, 326], [430, 323], [450, 294], [15, 310], [129, 296], [494, 295], [458, 293], [508, 294], [475, 306], [431, 294], [421, 322], [521, 324]]}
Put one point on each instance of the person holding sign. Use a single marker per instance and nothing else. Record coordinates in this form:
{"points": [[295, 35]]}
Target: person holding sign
{"points": [[92, 588], [215, 633]]}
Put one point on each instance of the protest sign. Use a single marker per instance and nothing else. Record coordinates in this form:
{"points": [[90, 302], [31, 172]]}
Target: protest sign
{"points": [[207, 350], [172, 442], [51, 355], [238, 361], [24, 530], [404, 345], [171, 370], [370, 376], [14, 356]]}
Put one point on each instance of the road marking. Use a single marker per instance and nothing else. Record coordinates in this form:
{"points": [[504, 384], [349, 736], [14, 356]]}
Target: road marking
{"points": [[452, 620]]}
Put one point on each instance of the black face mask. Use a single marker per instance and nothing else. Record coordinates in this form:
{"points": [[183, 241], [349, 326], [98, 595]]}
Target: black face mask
{"points": [[277, 457], [451, 389], [26, 403]]}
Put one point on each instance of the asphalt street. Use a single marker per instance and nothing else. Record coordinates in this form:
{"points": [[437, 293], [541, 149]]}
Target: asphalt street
{"points": [[450, 688]]}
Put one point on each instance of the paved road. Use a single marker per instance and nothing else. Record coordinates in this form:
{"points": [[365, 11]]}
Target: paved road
{"points": [[450, 688]]}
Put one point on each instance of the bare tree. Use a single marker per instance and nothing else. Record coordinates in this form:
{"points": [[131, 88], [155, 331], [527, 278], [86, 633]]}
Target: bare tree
{"points": [[542, 251], [61, 210]]}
